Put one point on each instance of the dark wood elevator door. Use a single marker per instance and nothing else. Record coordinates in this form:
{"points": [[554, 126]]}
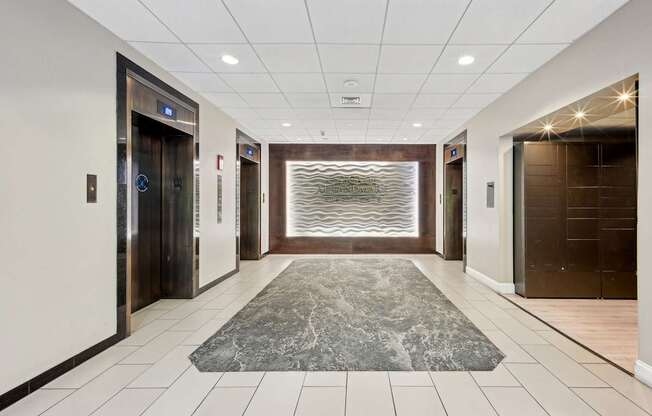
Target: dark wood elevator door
{"points": [[454, 206], [146, 215]]}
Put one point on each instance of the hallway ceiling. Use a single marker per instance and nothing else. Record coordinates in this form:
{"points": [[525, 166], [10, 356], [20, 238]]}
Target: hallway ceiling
{"points": [[295, 57]]}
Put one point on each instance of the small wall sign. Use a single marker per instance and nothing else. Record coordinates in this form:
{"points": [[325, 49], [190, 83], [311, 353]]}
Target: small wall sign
{"points": [[142, 182]]}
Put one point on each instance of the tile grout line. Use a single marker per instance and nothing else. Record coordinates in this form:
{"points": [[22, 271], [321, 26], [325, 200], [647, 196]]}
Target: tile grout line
{"points": [[303, 381]]}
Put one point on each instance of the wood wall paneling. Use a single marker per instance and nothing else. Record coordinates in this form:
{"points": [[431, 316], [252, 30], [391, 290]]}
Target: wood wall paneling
{"points": [[575, 219], [280, 153]]}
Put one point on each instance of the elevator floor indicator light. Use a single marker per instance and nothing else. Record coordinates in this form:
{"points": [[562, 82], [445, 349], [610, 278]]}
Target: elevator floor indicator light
{"points": [[166, 110], [142, 183]]}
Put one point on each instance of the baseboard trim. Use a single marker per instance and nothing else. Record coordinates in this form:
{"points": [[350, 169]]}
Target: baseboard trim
{"points": [[500, 287], [643, 372], [216, 281], [35, 383]]}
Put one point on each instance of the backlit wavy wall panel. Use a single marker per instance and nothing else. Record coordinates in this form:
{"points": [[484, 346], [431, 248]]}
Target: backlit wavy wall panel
{"points": [[352, 199]]}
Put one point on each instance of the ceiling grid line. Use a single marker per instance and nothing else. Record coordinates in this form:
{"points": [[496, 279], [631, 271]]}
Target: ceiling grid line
{"points": [[189, 48]]}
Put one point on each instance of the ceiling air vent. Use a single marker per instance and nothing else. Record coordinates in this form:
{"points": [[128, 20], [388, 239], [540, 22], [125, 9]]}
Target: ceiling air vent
{"points": [[351, 100]]}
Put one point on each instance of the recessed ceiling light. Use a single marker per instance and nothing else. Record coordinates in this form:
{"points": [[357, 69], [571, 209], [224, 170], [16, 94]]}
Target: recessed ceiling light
{"points": [[466, 60], [230, 59], [350, 83], [417, 124], [404, 138], [625, 96], [547, 127], [580, 114], [286, 124]]}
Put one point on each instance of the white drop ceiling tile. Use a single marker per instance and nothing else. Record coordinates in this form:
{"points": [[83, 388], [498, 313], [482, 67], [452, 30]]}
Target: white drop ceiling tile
{"points": [[315, 100], [128, 19], [349, 58], [408, 59], [408, 125], [383, 124], [460, 113], [351, 124], [250, 82], [378, 140], [565, 21], [227, 100], [289, 58], [496, 83], [399, 83], [276, 113], [422, 21], [350, 113], [475, 100], [419, 114], [202, 81], [448, 83], [173, 57], [409, 133], [387, 113], [484, 56], [353, 140], [525, 58], [262, 124], [212, 55], [435, 134], [381, 133], [496, 22], [196, 20], [272, 100], [347, 21], [328, 132], [272, 21], [448, 125], [403, 101], [435, 100], [335, 83], [318, 124], [300, 82], [250, 117], [313, 113], [294, 132], [351, 133]]}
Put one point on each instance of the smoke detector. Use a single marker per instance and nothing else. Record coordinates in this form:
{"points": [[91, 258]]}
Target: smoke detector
{"points": [[351, 83]]}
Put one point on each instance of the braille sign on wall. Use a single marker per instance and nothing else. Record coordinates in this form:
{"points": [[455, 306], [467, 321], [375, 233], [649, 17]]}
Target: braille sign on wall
{"points": [[142, 182], [219, 199]]}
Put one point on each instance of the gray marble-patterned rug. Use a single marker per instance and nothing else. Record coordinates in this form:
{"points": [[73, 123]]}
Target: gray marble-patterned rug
{"points": [[348, 314]]}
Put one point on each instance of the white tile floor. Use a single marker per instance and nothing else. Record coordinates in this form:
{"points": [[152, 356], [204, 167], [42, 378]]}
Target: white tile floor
{"points": [[149, 373]]}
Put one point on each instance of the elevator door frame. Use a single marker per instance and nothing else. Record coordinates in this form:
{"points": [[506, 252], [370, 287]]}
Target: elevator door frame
{"points": [[459, 142], [141, 92], [241, 142]]}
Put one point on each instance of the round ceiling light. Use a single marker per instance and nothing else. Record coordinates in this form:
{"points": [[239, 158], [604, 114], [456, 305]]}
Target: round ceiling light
{"points": [[466, 60], [417, 124], [351, 83], [580, 114], [230, 59], [286, 124]]}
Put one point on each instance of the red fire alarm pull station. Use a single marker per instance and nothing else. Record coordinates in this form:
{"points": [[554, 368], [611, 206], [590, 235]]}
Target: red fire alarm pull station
{"points": [[220, 162]]}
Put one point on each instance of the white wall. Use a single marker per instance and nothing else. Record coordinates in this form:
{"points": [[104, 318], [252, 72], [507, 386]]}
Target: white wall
{"points": [[58, 123], [617, 48]]}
